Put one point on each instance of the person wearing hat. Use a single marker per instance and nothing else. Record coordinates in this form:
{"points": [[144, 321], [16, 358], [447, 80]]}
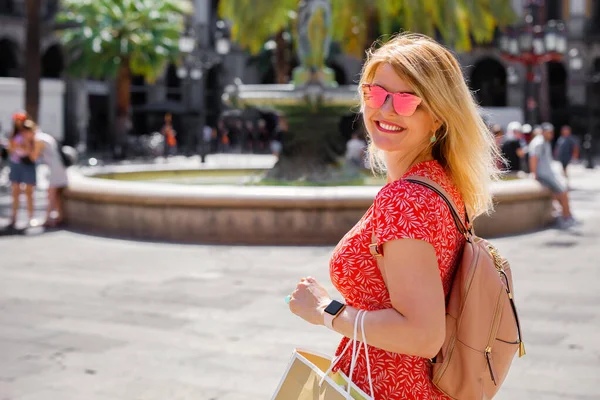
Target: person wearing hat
{"points": [[526, 138], [511, 147], [540, 165], [22, 174]]}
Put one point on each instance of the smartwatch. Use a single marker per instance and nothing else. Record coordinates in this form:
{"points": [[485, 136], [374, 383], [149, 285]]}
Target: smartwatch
{"points": [[331, 311]]}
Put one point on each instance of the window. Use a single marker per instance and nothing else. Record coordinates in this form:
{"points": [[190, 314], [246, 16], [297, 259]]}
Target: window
{"points": [[518, 5], [577, 7], [554, 9]]}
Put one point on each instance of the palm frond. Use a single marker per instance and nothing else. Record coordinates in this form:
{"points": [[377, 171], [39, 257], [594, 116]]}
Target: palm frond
{"points": [[143, 31], [255, 22]]}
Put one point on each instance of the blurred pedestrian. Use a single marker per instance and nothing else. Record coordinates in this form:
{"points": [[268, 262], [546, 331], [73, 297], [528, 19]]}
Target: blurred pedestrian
{"points": [[170, 136], [237, 136], [222, 137], [511, 147], [50, 154], [566, 149], [23, 150], [588, 150], [248, 135], [540, 165], [278, 136], [355, 150], [207, 137], [262, 137], [498, 134], [526, 138]]}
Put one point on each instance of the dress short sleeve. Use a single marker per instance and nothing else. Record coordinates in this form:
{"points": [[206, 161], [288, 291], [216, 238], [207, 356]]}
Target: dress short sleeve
{"points": [[404, 210]]}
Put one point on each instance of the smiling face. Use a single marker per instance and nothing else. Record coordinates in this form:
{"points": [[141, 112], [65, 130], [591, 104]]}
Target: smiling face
{"points": [[393, 133]]}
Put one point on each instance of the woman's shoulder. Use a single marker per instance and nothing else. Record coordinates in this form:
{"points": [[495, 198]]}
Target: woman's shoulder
{"points": [[429, 169], [413, 195], [401, 191]]}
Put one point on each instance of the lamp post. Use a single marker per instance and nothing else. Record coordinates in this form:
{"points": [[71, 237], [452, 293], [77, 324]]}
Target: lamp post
{"points": [[532, 44], [198, 58]]}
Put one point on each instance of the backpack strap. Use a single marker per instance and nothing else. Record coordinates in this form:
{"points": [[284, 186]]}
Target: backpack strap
{"points": [[464, 228]]}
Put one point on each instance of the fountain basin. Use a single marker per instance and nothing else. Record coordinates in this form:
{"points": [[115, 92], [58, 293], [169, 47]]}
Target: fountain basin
{"points": [[256, 215]]}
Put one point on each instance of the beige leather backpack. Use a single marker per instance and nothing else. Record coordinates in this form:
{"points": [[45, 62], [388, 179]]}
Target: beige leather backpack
{"points": [[482, 326]]}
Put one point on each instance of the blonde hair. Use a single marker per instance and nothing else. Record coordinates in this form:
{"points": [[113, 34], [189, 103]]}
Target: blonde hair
{"points": [[464, 147]]}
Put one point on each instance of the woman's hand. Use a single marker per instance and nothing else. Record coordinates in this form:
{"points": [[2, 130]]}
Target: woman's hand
{"points": [[309, 301]]}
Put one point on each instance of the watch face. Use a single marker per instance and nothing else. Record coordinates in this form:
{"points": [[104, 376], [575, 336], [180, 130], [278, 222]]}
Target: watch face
{"points": [[334, 307]]}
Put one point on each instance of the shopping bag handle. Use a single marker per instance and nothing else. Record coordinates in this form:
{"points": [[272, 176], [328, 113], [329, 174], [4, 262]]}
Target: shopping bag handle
{"points": [[359, 320]]}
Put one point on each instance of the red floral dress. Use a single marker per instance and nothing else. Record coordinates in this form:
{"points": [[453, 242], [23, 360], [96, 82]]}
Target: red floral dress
{"points": [[401, 210]]}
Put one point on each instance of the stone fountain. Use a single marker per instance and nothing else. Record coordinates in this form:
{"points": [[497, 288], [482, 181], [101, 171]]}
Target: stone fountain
{"points": [[313, 103]]}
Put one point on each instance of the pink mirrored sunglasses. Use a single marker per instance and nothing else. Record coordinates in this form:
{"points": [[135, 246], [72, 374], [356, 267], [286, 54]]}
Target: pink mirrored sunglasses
{"points": [[405, 104]]}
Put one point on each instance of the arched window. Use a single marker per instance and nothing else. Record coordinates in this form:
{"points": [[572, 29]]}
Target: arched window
{"points": [[488, 81], [554, 9], [9, 64], [173, 84], [52, 62]]}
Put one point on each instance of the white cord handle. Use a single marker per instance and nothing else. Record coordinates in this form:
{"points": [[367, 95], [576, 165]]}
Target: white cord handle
{"points": [[339, 357], [364, 337], [360, 319]]}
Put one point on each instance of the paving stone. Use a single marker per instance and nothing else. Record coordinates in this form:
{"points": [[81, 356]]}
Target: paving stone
{"points": [[86, 317]]}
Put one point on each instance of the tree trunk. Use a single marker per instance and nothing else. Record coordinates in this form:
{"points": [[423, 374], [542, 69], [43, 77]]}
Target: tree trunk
{"points": [[372, 22], [282, 62], [123, 121], [123, 88], [33, 68]]}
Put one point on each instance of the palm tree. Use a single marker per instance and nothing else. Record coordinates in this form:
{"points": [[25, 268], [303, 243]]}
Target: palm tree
{"points": [[355, 22], [119, 38], [255, 22], [33, 59]]}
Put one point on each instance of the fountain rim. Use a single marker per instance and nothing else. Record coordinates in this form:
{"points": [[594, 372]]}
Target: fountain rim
{"points": [[89, 185]]}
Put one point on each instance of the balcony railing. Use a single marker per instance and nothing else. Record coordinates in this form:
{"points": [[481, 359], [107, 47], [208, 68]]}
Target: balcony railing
{"points": [[17, 9]]}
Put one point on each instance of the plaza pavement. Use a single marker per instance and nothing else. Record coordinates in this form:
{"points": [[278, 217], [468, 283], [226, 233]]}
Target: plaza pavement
{"points": [[92, 318]]}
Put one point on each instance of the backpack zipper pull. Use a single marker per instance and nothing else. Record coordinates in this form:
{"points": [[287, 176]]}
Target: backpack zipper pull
{"points": [[488, 356]]}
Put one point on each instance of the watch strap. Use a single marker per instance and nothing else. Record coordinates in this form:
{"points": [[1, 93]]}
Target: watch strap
{"points": [[328, 318]]}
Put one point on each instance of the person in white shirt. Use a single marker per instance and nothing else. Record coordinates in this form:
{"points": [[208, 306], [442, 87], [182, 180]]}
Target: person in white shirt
{"points": [[355, 150], [57, 177], [540, 165]]}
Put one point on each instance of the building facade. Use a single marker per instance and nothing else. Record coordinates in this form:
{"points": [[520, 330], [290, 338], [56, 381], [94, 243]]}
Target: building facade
{"points": [[567, 89]]}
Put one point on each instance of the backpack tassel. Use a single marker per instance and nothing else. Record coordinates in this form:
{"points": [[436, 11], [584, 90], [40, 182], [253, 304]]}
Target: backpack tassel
{"points": [[521, 349]]}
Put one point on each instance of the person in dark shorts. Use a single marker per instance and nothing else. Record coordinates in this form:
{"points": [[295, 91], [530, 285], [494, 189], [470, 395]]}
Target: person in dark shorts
{"points": [[566, 148], [511, 147], [22, 166], [540, 165]]}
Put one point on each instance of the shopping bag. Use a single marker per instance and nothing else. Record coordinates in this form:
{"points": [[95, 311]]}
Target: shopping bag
{"points": [[308, 376], [303, 375]]}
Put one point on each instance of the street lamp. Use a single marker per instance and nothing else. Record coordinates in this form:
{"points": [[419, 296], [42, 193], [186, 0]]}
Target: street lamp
{"points": [[532, 45], [199, 58], [187, 45]]}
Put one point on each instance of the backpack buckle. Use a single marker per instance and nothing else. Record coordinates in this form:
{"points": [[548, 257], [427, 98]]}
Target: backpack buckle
{"points": [[376, 250]]}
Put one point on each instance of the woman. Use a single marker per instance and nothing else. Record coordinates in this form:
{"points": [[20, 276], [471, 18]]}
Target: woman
{"points": [[49, 154], [22, 149], [421, 120]]}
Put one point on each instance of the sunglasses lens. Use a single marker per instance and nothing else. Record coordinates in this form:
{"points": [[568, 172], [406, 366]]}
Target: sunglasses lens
{"points": [[374, 96], [405, 104]]}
